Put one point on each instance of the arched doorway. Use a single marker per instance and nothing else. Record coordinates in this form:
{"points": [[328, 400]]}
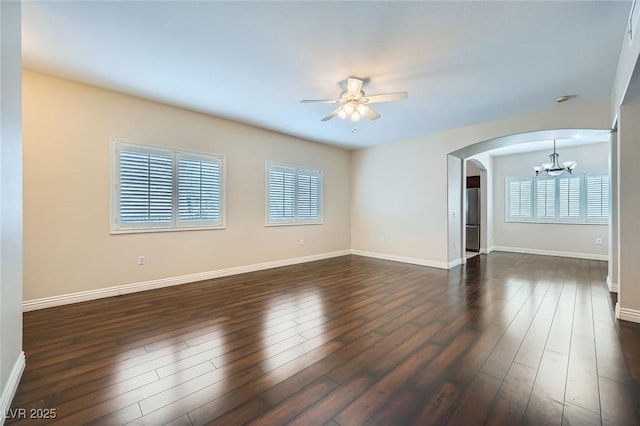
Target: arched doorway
{"points": [[480, 153]]}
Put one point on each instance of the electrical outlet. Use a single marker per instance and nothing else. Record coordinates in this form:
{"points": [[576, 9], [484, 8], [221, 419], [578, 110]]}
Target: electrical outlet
{"points": [[455, 245], [598, 241], [381, 240], [301, 243], [140, 260]]}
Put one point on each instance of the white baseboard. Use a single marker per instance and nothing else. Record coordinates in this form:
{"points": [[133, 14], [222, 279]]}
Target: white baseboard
{"points": [[486, 250], [613, 287], [403, 259], [11, 386], [626, 314], [456, 262], [65, 299], [588, 256]]}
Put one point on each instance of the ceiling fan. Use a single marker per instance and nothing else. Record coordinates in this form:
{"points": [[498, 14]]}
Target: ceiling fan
{"points": [[354, 104]]}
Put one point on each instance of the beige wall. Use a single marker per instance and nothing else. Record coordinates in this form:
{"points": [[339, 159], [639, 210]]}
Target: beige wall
{"points": [[570, 239], [400, 189], [628, 207], [472, 169], [10, 204], [455, 209], [67, 132], [612, 267], [392, 212]]}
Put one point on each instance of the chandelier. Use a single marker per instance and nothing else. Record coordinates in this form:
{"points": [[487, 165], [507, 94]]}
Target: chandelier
{"points": [[554, 168]]}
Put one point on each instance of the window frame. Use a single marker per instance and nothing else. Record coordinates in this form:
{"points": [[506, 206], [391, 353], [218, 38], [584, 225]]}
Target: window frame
{"points": [[583, 219], [117, 227], [295, 220]]}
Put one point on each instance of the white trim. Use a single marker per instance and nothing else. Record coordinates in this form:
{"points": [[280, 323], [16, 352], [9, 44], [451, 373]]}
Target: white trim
{"points": [[613, 287], [403, 259], [486, 250], [456, 262], [626, 314], [588, 256], [65, 299], [11, 387]]}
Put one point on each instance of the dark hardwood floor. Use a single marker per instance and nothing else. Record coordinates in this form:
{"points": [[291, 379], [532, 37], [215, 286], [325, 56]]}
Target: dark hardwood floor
{"points": [[506, 339]]}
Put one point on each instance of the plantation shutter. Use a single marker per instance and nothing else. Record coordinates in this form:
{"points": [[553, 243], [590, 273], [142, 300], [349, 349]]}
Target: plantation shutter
{"points": [[570, 197], [545, 199], [597, 198], [308, 195], [157, 189], [520, 204], [294, 195], [146, 188], [199, 190], [563, 199], [281, 186]]}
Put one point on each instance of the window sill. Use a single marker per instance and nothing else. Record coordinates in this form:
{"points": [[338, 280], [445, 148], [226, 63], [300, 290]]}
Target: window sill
{"points": [[269, 225], [550, 222], [154, 230]]}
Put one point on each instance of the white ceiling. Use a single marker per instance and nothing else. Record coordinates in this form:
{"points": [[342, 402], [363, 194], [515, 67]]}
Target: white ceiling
{"points": [[462, 63]]}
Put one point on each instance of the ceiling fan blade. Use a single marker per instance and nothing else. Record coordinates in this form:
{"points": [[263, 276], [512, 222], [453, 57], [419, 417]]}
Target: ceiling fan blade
{"points": [[354, 86], [368, 112], [323, 101], [386, 97], [333, 114]]}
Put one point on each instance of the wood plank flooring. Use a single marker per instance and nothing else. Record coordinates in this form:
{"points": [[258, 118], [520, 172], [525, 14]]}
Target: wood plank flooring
{"points": [[505, 339]]}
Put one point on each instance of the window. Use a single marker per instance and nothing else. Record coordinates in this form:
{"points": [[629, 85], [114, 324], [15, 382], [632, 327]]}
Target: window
{"points": [[570, 197], [546, 198], [561, 199], [597, 198], [294, 195], [164, 189], [520, 202]]}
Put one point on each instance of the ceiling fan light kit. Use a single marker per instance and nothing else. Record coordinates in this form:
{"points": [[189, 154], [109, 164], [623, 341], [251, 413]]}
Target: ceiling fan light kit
{"points": [[554, 168], [354, 104]]}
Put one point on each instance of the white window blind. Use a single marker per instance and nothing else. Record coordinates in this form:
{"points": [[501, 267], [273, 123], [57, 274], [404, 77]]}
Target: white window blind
{"points": [[293, 195], [597, 198], [199, 190], [146, 187], [570, 196], [281, 193], [162, 189], [546, 199], [520, 200], [308, 195], [562, 199]]}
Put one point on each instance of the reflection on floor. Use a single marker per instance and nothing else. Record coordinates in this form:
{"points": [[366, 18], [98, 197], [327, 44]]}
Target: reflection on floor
{"points": [[470, 254], [507, 338]]}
